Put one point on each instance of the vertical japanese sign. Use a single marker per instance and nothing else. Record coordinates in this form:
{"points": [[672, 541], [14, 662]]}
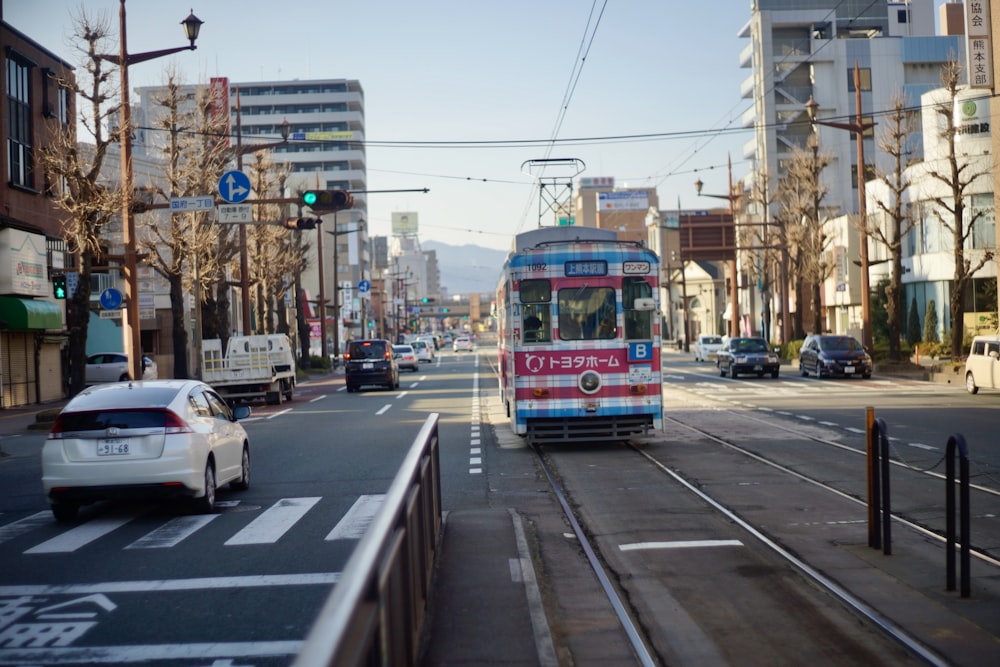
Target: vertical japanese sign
{"points": [[219, 91], [978, 46]]}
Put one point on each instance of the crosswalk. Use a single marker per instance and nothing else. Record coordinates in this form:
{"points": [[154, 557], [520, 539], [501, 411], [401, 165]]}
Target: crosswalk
{"points": [[264, 527], [793, 387]]}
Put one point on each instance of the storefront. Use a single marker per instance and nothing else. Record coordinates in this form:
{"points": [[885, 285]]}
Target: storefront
{"points": [[30, 351]]}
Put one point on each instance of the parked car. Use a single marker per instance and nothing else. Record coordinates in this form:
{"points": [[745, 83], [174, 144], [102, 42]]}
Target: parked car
{"points": [[462, 343], [407, 357], [747, 355], [707, 347], [369, 362], [982, 367], [155, 438], [827, 355], [423, 350], [113, 367]]}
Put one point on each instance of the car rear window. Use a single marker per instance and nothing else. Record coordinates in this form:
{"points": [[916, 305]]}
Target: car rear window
{"points": [[367, 349], [100, 420]]}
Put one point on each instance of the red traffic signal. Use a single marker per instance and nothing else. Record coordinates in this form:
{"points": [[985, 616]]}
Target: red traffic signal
{"points": [[328, 200], [301, 223]]}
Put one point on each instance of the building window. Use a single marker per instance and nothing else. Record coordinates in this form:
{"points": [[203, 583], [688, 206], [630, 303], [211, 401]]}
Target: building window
{"points": [[865, 76], [903, 15], [19, 154]]}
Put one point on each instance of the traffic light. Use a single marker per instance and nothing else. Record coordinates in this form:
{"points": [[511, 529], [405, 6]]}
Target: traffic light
{"points": [[59, 286], [301, 223], [427, 299], [328, 200]]}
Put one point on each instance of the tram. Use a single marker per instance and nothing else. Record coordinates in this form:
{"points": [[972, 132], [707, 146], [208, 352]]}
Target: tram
{"points": [[579, 336]]}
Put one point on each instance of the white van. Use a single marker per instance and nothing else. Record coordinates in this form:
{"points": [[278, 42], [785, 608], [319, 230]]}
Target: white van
{"points": [[982, 368]]}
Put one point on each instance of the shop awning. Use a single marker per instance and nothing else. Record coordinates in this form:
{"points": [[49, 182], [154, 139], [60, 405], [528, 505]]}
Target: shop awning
{"points": [[17, 313]]}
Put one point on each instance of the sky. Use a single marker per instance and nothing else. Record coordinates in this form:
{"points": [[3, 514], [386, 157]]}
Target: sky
{"points": [[507, 77]]}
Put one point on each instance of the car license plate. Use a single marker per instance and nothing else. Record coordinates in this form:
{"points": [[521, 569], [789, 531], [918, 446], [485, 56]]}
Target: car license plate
{"points": [[368, 365], [848, 370], [115, 447], [758, 367]]}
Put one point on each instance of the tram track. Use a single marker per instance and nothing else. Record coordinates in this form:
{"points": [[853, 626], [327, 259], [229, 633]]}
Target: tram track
{"points": [[643, 648]]}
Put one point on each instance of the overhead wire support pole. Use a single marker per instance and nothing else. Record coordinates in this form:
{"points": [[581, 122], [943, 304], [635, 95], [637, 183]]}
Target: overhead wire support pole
{"points": [[556, 200]]}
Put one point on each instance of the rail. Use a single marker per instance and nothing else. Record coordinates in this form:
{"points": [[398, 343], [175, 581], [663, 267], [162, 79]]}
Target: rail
{"points": [[375, 614]]}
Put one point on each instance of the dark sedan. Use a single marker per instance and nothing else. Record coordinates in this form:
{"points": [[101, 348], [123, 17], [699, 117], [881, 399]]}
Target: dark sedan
{"points": [[834, 355], [747, 356]]}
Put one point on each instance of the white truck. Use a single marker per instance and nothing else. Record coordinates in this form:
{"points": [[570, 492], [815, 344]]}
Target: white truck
{"points": [[261, 366]]}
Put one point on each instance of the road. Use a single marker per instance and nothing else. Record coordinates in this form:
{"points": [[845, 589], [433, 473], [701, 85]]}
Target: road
{"points": [[134, 585]]}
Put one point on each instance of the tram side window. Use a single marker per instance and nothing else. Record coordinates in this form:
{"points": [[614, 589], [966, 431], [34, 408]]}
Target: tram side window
{"points": [[638, 323], [587, 313], [536, 297]]}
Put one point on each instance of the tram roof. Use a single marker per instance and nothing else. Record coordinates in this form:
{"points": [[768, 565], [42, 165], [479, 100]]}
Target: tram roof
{"points": [[563, 234]]}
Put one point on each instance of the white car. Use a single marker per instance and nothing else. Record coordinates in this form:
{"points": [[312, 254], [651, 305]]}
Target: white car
{"points": [[982, 368], [157, 438], [113, 367], [462, 343], [707, 347], [423, 350], [407, 357]]}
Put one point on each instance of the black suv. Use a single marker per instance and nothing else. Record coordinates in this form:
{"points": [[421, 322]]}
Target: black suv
{"points": [[371, 362]]}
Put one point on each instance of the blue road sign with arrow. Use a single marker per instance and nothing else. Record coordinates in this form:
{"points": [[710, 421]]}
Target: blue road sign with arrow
{"points": [[234, 186]]}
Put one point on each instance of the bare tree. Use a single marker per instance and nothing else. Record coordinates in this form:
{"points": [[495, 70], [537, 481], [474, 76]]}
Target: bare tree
{"points": [[275, 257], [800, 194], [193, 165], [958, 175], [894, 141], [75, 171]]}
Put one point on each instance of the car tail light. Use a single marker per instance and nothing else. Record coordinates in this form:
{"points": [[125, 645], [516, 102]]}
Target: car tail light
{"points": [[172, 423], [57, 429]]}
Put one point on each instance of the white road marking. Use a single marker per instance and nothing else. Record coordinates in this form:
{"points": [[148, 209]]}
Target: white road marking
{"points": [[279, 413], [274, 522], [80, 536], [920, 445], [354, 524], [318, 398], [21, 526], [684, 544], [162, 585], [173, 532], [384, 409], [148, 653]]}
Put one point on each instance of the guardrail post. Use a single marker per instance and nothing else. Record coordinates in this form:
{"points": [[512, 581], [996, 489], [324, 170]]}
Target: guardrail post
{"points": [[886, 495], [957, 441]]}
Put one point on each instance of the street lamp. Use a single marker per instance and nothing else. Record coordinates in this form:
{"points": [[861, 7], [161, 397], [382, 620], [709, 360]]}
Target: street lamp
{"points": [[734, 287], [859, 127], [192, 25]]}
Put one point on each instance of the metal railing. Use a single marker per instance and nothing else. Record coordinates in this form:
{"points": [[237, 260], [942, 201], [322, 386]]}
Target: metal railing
{"points": [[375, 614]]}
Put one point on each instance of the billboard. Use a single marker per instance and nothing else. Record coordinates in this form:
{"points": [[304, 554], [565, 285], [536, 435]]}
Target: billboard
{"points": [[623, 200], [24, 256], [404, 224]]}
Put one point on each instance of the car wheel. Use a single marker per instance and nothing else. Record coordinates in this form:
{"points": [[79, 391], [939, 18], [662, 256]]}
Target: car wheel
{"points": [[970, 384], [803, 371], [123, 378], [774, 374], [243, 483], [290, 389], [65, 512], [206, 504], [722, 371]]}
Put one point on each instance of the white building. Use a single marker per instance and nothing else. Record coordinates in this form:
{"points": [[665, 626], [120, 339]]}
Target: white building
{"points": [[325, 150], [807, 49]]}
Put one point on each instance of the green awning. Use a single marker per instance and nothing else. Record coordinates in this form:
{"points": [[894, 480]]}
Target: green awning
{"points": [[18, 313]]}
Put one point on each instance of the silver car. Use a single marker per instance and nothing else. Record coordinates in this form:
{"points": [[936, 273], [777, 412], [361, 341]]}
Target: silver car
{"points": [[157, 438], [113, 367]]}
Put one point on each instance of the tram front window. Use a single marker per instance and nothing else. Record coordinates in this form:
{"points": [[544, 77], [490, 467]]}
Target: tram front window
{"points": [[587, 313]]}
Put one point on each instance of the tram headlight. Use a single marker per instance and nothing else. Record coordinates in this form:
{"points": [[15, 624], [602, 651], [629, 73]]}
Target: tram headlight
{"points": [[589, 382]]}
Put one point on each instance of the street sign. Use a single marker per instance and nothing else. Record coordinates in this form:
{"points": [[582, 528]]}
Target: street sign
{"points": [[234, 186], [184, 204], [235, 213], [365, 289], [110, 314], [111, 299]]}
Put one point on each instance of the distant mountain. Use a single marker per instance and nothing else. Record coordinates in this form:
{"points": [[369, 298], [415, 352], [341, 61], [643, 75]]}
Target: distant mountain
{"points": [[467, 268]]}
